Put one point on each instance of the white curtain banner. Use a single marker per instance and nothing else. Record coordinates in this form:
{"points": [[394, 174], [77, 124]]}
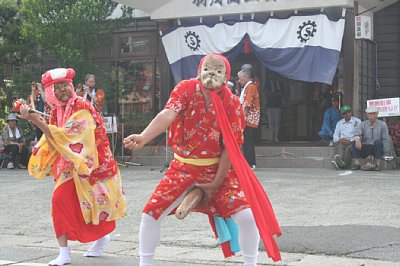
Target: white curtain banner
{"points": [[301, 47]]}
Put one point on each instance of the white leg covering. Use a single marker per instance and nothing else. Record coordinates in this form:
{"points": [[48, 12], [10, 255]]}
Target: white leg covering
{"points": [[63, 258], [97, 248], [149, 233], [149, 238], [249, 237]]}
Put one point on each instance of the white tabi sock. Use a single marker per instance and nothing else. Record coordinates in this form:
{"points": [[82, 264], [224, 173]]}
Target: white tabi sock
{"points": [[97, 248], [63, 258]]}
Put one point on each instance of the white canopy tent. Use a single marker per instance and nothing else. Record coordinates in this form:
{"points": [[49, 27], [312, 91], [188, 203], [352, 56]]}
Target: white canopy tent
{"points": [[173, 9]]}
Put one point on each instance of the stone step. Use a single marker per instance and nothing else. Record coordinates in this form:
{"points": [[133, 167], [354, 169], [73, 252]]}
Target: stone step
{"points": [[158, 162], [260, 151], [327, 152], [267, 157]]}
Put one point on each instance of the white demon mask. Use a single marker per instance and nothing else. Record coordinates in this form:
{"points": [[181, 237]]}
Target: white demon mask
{"points": [[212, 72]]}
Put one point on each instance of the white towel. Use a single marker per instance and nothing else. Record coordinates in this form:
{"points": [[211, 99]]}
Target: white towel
{"points": [[17, 133], [241, 98]]}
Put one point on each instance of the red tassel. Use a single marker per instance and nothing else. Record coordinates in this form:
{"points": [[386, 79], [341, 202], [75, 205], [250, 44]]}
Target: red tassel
{"points": [[246, 47]]}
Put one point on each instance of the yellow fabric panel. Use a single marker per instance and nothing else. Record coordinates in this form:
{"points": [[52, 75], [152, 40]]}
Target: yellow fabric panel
{"points": [[76, 141], [41, 161]]}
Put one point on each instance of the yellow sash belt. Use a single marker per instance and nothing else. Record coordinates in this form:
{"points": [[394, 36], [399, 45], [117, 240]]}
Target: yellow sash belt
{"points": [[197, 162]]}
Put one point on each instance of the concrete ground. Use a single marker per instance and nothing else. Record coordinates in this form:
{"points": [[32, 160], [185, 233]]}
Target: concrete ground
{"points": [[327, 217]]}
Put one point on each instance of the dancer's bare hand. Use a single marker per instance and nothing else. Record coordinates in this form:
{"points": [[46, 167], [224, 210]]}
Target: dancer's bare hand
{"points": [[210, 188], [134, 142], [24, 113]]}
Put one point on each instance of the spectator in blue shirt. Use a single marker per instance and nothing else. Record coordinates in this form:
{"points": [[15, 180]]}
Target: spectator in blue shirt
{"points": [[331, 117], [343, 138]]}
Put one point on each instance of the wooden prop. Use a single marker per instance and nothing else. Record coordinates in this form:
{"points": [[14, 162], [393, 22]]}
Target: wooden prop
{"points": [[38, 112], [190, 202]]}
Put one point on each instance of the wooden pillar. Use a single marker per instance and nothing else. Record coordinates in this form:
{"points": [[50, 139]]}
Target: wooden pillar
{"points": [[357, 106], [166, 82]]}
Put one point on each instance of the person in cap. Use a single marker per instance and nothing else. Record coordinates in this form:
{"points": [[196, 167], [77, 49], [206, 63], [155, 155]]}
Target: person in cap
{"points": [[343, 138], [331, 117], [13, 140], [88, 197], [206, 122], [371, 138]]}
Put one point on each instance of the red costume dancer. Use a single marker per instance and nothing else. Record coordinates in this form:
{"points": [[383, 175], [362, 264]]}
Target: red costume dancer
{"points": [[88, 196], [206, 123]]}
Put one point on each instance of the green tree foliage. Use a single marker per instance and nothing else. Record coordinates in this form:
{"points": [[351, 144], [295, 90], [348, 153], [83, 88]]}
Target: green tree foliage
{"points": [[70, 29], [15, 52], [73, 29]]}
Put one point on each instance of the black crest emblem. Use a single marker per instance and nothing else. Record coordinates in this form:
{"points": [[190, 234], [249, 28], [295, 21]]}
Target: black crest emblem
{"points": [[306, 31], [192, 40]]}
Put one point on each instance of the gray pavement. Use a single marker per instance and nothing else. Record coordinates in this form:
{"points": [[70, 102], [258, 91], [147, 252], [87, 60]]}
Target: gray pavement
{"points": [[327, 217]]}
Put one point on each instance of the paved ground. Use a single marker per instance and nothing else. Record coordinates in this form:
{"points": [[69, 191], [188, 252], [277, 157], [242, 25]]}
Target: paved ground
{"points": [[328, 218]]}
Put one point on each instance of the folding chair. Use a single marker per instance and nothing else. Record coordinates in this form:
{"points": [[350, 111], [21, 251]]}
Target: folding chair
{"points": [[4, 156]]}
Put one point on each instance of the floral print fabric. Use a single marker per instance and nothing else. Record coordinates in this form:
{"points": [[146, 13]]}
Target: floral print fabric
{"points": [[252, 104], [76, 156]]}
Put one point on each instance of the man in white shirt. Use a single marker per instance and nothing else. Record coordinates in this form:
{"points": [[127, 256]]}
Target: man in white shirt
{"points": [[343, 138]]}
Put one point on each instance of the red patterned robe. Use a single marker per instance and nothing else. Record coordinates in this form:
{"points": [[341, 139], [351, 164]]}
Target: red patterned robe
{"points": [[195, 134]]}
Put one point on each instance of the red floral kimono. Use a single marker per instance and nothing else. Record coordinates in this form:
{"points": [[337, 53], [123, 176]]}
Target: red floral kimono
{"points": [[88, 196], [195, 134]]}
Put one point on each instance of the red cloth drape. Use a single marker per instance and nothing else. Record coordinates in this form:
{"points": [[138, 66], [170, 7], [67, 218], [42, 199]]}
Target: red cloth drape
{"points": [[246, 46], [68, 218], [260, 205]]}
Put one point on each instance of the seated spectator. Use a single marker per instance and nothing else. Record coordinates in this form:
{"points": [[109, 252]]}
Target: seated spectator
{"points": [[13, 139], [331, 117], [343, 138], [371, 138]]}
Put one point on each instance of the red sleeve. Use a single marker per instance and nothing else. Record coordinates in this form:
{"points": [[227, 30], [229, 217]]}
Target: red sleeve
{"points": [[179, 97]]}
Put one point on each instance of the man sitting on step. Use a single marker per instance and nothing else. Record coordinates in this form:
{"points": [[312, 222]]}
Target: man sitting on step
{"points": [[343, 138], [371, 138]]}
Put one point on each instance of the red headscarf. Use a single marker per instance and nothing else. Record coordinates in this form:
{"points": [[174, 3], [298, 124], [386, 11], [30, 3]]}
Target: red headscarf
{"points": [[58, 75]]}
